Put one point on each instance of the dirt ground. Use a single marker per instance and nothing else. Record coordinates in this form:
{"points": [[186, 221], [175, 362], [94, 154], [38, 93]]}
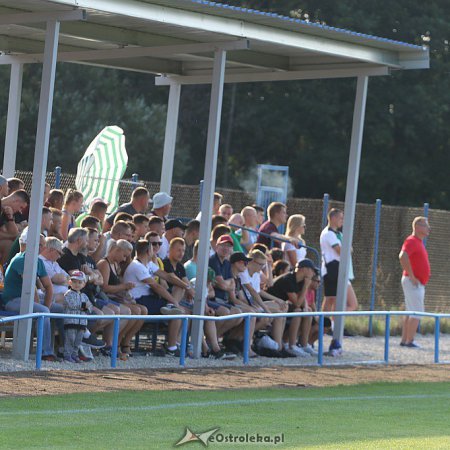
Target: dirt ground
{"points": [[63, 382]]}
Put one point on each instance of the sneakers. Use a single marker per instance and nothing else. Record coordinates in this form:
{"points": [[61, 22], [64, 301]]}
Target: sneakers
{"points": [[308, 349], [51, 358], [412, 345], [106, 351], [93, 342], [296, 350], [221, 355], [72, 359], [85, 353], [267, 342], [174, 352], [170, 309], [335, 348]]}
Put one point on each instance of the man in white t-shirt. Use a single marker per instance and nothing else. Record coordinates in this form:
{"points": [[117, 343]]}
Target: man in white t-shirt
{"points": [[174, 228], [151, 294]]}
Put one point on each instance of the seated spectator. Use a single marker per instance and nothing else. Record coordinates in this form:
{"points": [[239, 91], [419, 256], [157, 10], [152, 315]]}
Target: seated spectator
{"points": [[292, 288], [237, 234], [133, 234], [226, 211], [118, 290], [138, 204], [217, 201], [174, 228], [280, 268], [267, 270], [4, 189], [140, 221], [123, 216], [55, 227], [262, 301], [162, 204], [73, 201], [9, 229], [308, 344], [55, 199], [277, 217], [218, 220], [179, 285], [90, 222], [120, 230], [46, 223], [50, 253], [13, 291], [47, 189], [250, 221], [295, 228], [276, 254], [156, 224], [191, 234], [72, 259], [15, 184], [155, 241], [191, 266], [216, 233], [97, 209], [259, 214], [151, 294], [224, 285]]}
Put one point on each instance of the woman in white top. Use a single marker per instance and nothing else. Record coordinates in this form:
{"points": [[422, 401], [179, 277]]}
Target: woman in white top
{"points": [[296, 226]]}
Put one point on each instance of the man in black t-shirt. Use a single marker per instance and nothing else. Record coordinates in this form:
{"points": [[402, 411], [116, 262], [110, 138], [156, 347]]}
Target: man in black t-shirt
{"points": [[292, 288], [179, 285]]}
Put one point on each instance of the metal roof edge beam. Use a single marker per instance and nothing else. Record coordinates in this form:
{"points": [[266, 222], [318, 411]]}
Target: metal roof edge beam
{"points": [[27, 17], [275, 76], [240, 28], [131, 52]]}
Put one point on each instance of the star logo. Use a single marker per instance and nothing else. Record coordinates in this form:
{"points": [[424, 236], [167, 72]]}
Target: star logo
{"points": [[193, 437]]}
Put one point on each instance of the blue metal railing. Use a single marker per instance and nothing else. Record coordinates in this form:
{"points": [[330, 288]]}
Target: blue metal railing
{"points": [[247, 318]]}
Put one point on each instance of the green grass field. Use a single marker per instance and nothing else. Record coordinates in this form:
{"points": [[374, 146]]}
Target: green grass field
{"points": [[388, 416]]}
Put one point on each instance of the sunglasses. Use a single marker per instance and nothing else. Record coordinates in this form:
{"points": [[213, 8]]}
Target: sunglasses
{"points": [[155, 244]]}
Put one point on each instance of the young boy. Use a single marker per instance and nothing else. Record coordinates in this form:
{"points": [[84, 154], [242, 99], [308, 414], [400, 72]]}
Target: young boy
{"points": [[75, 302]]}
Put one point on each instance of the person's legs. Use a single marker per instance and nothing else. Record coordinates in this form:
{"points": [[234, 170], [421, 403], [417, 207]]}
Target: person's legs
{"points": [[305, 328], [414, 301], [109, 328], [352, 301], [136, 325]]}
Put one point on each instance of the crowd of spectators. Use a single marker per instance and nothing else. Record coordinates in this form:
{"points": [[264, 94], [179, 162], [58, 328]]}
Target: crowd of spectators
{"points": [[139, 260]]}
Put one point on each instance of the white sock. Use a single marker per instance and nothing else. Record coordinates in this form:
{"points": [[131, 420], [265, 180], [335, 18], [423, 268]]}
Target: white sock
{"points": [[86, 334]]}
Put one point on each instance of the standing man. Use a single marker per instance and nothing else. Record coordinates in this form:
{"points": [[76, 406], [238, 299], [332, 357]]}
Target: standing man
{"points": [[416, 273]]}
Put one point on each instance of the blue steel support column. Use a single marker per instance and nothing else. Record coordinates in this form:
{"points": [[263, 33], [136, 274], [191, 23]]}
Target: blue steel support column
{"points": [[387, 334], [437, 331], [115, 343], [40, 340], [246, 338], [374, 262], [135, 180], [57, 177], [320, 349], [184, 331]]}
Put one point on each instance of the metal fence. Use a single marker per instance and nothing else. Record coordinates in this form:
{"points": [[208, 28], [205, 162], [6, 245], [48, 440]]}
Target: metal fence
{"points": [[394, 226], [39, 317]]}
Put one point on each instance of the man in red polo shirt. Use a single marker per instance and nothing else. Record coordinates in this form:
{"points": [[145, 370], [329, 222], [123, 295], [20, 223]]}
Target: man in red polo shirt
{"points": [[416, 273]]}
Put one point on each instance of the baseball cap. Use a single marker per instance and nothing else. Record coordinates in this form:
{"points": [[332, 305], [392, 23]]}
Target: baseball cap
{"points": [[225, 239], [174, 223], [306, 263], [238, 256], [161, 199], [78, 275]]}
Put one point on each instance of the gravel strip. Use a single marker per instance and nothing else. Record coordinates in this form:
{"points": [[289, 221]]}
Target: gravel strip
{"points": [[357, 350]]}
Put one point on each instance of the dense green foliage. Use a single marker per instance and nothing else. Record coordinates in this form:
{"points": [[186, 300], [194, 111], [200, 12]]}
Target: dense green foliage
{"points": [[305, 125], [373, 416]]}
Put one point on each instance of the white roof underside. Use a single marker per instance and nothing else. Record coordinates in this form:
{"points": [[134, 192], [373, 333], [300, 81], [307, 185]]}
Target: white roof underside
{"points": [[177, 38]]}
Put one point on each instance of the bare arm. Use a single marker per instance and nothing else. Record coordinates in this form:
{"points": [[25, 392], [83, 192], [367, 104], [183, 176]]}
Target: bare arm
{"points": [[48, 289], [406, 266], [256, 297], [158, 289]]}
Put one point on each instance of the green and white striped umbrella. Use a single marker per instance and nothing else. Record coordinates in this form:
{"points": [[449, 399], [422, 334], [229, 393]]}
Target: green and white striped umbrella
{"points": [[102, 167]]}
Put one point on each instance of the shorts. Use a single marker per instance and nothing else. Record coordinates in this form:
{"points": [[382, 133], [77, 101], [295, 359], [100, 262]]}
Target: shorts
{"points": [[330, 286], [100, 303], [218, 302], [185, 304], [153, 303], [414, 295]]}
